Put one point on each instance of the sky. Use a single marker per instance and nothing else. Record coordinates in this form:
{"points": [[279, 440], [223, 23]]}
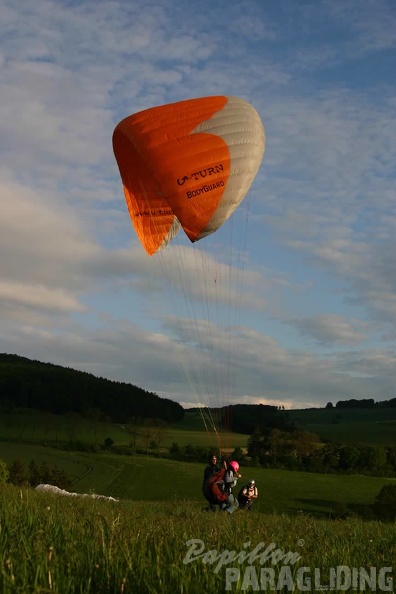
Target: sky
{"points": [[311, 285]]}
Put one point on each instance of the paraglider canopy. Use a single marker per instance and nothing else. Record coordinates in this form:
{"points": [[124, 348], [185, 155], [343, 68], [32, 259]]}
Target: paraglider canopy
{"points": [[185, 168], [187, 164]]}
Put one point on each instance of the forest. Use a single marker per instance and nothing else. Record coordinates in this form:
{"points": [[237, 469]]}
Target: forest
{"points": [[28, 384]]}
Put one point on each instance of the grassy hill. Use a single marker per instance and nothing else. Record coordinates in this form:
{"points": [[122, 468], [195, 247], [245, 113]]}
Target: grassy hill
{"points": [[137, 544], [371, 426], [27, 384], [85, 546], [50, 543], [39, 428], [147, 478]]}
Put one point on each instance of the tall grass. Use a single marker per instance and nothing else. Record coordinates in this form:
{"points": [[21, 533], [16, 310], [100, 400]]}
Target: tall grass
{"points": [[72, 545]]}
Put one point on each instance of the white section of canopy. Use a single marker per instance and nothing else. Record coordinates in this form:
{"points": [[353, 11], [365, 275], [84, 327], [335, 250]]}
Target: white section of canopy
{"points": [[241, 128], [57, 491]]}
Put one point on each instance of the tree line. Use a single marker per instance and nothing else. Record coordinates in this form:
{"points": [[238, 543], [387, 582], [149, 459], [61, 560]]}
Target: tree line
{"points": [[363, 403], [33, 474], [303, 450], [29, 384], [244, 418]]}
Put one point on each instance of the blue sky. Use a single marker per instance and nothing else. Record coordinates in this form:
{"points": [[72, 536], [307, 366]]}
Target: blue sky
{"points": [[318, 290]]}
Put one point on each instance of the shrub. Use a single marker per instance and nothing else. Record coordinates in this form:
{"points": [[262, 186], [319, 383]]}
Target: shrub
{"points": [[385, 503], [3, 473]]}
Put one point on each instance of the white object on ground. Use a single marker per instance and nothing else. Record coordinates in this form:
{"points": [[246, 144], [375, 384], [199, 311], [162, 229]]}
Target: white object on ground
{"points": [[58, 491]]}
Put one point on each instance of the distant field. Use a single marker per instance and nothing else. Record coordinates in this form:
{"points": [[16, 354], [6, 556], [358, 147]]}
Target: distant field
{"points": [[41, 428], [370, 426], [152, 479]]}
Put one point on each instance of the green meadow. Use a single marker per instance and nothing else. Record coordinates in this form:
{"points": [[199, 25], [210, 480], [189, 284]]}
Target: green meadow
{"points": [[71, 545], [138, 544], [371, 426], [149, 478], [38, 428], [368, 426]]}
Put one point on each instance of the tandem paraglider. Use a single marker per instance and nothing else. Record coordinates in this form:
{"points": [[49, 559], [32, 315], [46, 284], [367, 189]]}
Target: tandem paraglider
{"points": [[186, 167], [218, 489]]}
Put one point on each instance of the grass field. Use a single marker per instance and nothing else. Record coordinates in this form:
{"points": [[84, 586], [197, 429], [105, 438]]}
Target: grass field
{"points": [[51, 544], [138, 545], [154, 479], [39, 428], [369, 426]]}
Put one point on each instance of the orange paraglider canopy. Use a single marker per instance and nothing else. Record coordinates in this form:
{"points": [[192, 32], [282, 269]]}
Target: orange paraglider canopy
{"points": [[176, 161]]}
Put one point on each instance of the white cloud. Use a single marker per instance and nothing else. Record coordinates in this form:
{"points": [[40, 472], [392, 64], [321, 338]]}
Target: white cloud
{"points": [[76, 287], [330, 329], [38, 297], [41, 243]]}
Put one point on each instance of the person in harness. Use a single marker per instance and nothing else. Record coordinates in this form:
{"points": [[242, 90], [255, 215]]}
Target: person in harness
{"points": [[213, 491], [247, 495], [210, 469], [218, 487], [231, 477]]}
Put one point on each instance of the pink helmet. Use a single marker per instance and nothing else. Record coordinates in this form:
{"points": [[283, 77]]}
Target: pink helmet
{"points": [[234, 465]]}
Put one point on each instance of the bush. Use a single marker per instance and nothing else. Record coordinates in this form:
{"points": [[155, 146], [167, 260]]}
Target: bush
{"points": [[385, 503], [3, 473], [339, 510], [18, 475], [108, 442], [174, 449], [36, 474]]}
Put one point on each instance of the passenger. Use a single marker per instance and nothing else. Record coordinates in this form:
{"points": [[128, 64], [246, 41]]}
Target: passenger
{"points": [[247, 495]]}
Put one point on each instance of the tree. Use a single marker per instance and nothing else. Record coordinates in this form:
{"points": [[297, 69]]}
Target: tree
{"points": [[174, 449], [17, 473], [372, 458], [330, 456], [349, 457], [391, 457], [387, 495], [48, 425], [160, 433], [237, 454], [277, 443], [34, 474], [95, 415], [147, 435], [385, 502], [255, 445], [72, 426], [133, 428], [305, 443], [4, 474], [44, 473], [108, 442], [59, 478]]}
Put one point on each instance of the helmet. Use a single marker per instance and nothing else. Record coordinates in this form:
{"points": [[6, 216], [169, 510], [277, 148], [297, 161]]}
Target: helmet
{"points": [[234, 465], [252, 482]]}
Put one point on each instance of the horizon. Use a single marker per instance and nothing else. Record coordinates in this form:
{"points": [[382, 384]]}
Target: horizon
{"points": [[196, 406]]}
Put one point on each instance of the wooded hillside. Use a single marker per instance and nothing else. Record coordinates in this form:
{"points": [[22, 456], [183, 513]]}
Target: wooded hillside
{"points": [[25, 383]]}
